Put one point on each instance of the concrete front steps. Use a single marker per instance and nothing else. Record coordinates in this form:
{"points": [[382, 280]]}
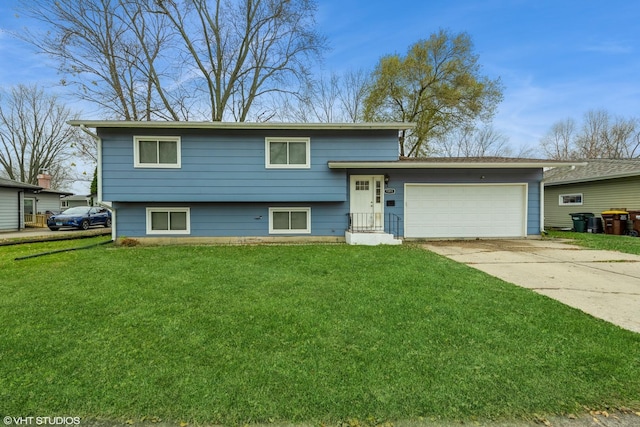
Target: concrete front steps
{"points": [[371, 238]]}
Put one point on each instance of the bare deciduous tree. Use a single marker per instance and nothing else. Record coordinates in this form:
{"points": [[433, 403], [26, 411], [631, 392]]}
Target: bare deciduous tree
{"points": [[320, 102], [110, 50], [175, 59], [355, 88], [473, 142], [331, 98], [599, 136], [34, 136], [588, 142], [558, 142], [620, 139]]}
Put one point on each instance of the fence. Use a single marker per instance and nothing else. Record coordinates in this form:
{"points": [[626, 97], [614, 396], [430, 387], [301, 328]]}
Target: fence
{"points": [[38, 220]]}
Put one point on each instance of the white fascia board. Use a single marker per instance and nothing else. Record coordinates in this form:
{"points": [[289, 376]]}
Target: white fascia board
{"points": [[241, 125], [444, 165]]}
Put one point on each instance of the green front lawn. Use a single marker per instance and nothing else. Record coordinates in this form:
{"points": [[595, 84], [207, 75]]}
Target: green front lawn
{"points": [[235, 334], [630, 245]]}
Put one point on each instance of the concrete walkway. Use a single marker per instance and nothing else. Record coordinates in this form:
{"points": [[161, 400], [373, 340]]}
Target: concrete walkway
{"points": [[605, 284]]}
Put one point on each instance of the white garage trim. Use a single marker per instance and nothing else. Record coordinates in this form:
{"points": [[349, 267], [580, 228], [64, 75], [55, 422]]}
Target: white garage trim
{"points": [[465, 210]]}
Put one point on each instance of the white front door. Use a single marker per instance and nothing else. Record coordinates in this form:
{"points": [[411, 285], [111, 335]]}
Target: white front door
{"points": [[366, 205], [29, 210]]}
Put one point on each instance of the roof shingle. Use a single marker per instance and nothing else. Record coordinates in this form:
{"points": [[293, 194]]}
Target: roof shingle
{"points": [[594, 170], [8, 183]]}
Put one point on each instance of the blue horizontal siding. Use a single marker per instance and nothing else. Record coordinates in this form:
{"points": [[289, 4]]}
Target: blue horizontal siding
{"points": [[398, 177], [327, 219], [534, 224], [223, 166], [233, 219]]}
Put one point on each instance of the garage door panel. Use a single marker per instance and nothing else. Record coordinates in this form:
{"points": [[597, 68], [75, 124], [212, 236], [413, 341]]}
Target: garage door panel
{"points": [[465, 210]]}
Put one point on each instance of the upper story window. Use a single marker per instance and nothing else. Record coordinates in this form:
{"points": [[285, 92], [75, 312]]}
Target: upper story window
{"points": [[156, 152], [570, 199], [287, 153]]}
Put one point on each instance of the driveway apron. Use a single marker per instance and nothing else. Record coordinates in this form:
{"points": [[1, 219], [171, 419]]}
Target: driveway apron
{"points": [[605, 284]]}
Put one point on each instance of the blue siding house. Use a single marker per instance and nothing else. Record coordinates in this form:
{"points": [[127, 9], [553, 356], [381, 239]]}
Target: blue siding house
{"points": [[259, 182]]}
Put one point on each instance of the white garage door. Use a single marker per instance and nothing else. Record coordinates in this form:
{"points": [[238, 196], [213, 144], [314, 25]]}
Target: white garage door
{"points": [[452, 210]]}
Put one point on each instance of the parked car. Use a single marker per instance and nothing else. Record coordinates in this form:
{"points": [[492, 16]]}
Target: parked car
{"points": [[81, 217]]}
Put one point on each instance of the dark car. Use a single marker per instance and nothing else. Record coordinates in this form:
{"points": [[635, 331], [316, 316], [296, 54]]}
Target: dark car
{"points": [[81, 217]]}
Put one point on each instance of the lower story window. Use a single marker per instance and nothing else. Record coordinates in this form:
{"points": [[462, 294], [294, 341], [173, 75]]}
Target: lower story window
{"points": [[289, 220], [168, 221]]}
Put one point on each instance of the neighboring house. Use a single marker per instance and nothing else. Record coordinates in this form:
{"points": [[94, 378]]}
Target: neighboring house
{"points": [[12, 203], [244, 182], [42, 201], [20, 203], [73, 201], [597, 186]]}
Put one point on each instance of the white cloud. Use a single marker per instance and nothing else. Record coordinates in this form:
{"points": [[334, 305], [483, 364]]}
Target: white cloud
{"points": [[609, 48]]}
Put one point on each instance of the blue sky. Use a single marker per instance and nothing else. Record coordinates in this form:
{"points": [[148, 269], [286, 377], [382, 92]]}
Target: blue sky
{"points": [[556, 59]]}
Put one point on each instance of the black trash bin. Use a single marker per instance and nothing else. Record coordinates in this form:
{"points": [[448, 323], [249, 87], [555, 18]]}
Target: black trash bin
{"points": [[580, 221], [594, 225]]}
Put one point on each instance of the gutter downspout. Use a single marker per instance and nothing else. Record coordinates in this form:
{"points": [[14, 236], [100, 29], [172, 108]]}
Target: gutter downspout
{"points": [[542, 232], [99, 165], [99, 178], [20, 206]]}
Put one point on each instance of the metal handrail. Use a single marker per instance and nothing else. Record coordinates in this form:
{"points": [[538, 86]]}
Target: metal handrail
{"points": [[371, 223], [393, 225]]}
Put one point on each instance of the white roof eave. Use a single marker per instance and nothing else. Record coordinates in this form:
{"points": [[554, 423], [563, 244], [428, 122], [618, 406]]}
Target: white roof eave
{"points": [[446, 165], [240, 125]]}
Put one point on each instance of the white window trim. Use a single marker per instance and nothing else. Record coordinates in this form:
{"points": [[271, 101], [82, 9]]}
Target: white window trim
{"points": [[267, 153], [562, 196], [136, 152], [290, 209], [161, 209]]}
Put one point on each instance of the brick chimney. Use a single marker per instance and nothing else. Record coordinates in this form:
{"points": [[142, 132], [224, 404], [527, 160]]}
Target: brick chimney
{"points": [[44, 180]]}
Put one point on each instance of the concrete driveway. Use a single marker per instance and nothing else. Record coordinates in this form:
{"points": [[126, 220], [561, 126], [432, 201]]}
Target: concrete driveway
{"points": [[605, 284]]}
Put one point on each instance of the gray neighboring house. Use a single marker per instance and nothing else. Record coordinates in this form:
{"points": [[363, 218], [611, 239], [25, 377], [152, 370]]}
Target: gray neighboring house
{"points": [[599, 185], [43, 201], [12, 197], [21, 203], [73, 201], [46, 200]]}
